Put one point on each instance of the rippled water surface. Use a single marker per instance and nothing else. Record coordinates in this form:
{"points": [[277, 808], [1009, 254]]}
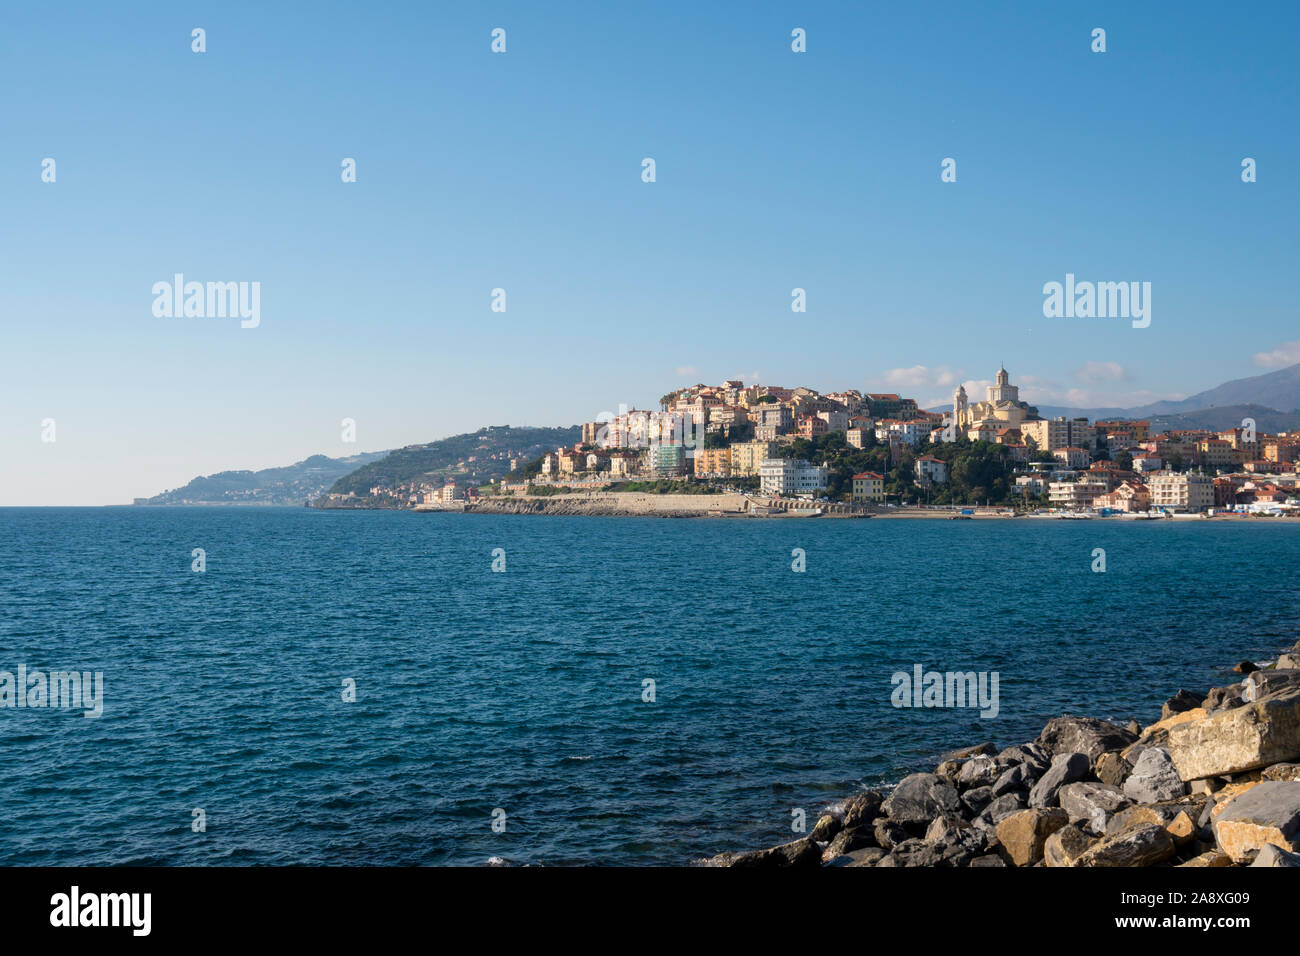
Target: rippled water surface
{"points": [[523, 690]]}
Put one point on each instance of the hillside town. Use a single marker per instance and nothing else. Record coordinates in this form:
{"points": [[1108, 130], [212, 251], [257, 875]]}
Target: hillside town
{"points": [[882, 449]]}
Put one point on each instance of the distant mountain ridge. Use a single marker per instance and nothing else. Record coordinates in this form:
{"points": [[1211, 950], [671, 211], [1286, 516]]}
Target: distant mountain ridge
{"points": [[1279, 390], [286, 485]]}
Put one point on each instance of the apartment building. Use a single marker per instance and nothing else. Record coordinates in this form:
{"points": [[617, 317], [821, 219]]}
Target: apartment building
{"points": [[1072, 457], [745, 456], [1186, 492], [868, 487], [713, 463], [1060, 433], [1075, 495], [791, 476], [769, 415], [810, 426]]}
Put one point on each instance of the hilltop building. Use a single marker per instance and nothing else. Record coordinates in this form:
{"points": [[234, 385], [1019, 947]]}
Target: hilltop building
{"points": [[1002, 408]]}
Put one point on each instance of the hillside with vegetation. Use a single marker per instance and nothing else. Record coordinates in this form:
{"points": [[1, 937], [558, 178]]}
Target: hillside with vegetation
{"points": [[977, 471], [470, 459]]}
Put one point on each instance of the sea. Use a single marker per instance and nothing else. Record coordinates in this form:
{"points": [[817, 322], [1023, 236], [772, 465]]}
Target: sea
{"points": [[291, 686]]}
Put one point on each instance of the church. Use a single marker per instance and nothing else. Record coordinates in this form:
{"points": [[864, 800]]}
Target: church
{"points": [[1001, 409]]}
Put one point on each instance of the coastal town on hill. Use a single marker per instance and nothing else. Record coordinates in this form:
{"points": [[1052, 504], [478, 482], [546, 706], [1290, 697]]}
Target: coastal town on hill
{"points": [[847, 452]]}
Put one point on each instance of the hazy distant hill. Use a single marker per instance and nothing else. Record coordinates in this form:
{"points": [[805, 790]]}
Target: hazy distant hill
{"points": [[491, 448], [288, 485], [1280, 390], [1224, 417]]}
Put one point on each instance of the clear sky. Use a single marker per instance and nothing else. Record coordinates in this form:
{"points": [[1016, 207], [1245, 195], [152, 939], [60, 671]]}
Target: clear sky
{"points": [[522, 171]]}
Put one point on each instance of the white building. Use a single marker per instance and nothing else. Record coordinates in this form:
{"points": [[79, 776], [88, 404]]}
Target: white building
{"points": [[1075, 495], [909, 433], [1031, 484], [931, 470], [1181, 492], [791, 476]]}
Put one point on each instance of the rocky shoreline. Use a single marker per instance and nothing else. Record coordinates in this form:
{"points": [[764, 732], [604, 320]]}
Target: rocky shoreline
{"points": [[1214, 783]]}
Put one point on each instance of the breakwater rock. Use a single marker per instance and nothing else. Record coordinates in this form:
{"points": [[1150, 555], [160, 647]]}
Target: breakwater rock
{"points": [[1214, 782]]}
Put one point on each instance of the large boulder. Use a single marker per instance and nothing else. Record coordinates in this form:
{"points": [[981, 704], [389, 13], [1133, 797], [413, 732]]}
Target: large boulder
{"points": [[849, 840], [977, 772], [1266, 813], [1023, 834], [986, 749], [1154, 778], [944, 828], [859, 809], [1091, 805], [959, 847], [799, 853], [1181, 819], [1223, 698], [1065, 768], [867, 856], [1288, 661], [1281, 771], [1032, 754], [921, 797], [1000, 809], [1248, 737], [825, 828], [1181, 701], [977, 799], [1273, 855], [1085, 735], [1210, 858], [1112, 768], [1020, 776], [1157, 735], [1142, 845], [1066, 845], [888, 834], [1262, 683], [948, 770]]}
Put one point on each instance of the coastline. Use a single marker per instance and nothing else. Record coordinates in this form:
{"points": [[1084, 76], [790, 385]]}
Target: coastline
{"points": [[737, 505], [1215, 782]]}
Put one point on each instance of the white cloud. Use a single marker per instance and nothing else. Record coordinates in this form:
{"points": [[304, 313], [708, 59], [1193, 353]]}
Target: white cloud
{"points": [[975, 391], [687, 371], [920, 375], [1092, 373], [1288, 353]]}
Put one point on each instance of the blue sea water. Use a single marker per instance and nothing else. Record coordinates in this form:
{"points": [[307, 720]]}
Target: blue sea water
{"points": [[522, 690]]}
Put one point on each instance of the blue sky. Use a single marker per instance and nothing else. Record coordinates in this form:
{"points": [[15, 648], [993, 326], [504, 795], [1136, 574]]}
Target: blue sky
{"points": [[476, 170]]}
